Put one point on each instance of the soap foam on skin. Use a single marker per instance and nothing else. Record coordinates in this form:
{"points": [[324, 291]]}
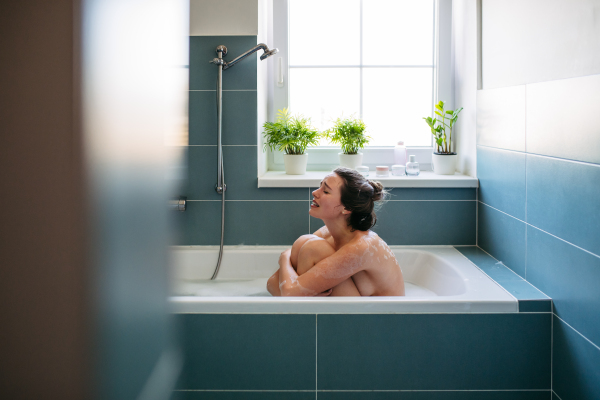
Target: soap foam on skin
{"points": [[368, 247], [295, 284]]}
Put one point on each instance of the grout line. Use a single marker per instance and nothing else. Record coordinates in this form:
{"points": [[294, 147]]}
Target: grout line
{"points": [[550, 298], [434, 390], [533, 226], [520, 220], [526, 189], [316, 355], [363, 391], [251, 200], [492, 279], [563, 240], [241, 390], [477, 217], [587, 251], [543, 156], [593, 344], [556, 394], [534, 312], [501, 263], [429, 200], [552, 348], [347, 313]]}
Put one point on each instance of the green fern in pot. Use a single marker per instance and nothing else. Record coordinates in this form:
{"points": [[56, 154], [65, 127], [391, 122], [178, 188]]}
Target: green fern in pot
{"points": [[291, 135], [350, 134]]}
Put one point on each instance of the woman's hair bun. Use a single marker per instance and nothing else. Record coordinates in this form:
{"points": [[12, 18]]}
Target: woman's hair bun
{"points": [[378, 191], [359, 195]]}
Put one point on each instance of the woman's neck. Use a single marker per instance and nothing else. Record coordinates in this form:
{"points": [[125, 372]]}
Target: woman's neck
{"points": [[340, 232]]}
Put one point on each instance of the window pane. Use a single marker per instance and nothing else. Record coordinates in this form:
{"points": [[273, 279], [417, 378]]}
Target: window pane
{"points": [[324, 32], [323, 94], [398, 32], [394, 102]]}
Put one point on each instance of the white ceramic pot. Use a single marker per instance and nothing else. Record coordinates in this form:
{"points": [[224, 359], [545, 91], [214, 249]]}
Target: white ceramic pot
{"points": [[295, 164], [444, 164], [351, 160]]}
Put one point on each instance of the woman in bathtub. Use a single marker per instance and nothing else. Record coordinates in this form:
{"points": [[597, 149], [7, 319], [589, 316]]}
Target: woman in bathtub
{"points": [[343, 258]]}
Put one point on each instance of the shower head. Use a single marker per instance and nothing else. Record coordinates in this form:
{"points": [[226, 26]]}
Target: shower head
{"points": [[231, 63], [268, 53]]}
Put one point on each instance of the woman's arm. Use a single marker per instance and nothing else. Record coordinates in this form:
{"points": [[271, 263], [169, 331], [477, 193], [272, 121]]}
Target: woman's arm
{"points": [[325, 275]]}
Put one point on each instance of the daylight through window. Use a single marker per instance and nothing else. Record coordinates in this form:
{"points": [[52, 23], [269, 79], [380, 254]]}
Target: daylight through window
{"points": [[373, 59]]}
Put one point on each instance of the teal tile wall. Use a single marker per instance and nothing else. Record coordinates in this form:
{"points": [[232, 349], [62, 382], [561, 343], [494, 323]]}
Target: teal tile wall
{"points": [[248, 352], [277, 216], [575, 364], [503, 236], [415, 356], [539, 214], [502, 180]]}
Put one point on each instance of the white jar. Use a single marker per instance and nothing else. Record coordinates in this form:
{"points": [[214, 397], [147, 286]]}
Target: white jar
{"points": [[398, 170], [382, 171]]}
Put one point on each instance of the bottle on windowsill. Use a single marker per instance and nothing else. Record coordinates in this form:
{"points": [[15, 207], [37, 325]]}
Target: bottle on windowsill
{"points": [[412, 166]]}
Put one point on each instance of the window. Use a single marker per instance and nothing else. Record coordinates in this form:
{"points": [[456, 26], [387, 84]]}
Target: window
{"points": [[379, 60]]}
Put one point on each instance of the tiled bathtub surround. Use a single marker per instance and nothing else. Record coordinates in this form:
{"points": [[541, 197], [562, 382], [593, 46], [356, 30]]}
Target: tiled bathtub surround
{"points": [[539, 212], [277, 216], [415, 356], [530, 299]]}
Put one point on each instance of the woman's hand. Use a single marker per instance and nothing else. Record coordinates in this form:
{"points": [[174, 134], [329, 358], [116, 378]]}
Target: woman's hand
{"points": [[285, 256]]}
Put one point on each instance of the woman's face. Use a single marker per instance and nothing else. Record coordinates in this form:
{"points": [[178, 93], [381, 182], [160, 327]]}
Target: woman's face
{"points": [[327, 202]]}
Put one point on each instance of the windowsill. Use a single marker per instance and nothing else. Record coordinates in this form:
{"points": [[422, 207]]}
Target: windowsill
{"points": [[426, 179]]}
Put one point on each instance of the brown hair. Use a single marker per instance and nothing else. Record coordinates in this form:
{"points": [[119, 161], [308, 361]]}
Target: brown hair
{"points": [[359, 195]]}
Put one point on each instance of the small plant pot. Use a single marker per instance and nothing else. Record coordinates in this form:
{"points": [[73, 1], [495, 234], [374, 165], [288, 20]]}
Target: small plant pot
{"points": [[444, 163], [295, 164], [351, 160]]}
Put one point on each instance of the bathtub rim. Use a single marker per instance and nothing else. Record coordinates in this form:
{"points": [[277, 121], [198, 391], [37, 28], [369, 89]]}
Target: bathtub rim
{"points": [[500, 302]]}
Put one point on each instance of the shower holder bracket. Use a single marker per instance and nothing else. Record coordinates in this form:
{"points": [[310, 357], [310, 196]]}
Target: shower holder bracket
{"points": [[220, 189]]}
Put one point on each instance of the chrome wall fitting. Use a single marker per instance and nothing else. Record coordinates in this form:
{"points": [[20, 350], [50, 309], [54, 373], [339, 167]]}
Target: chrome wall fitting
{"points": [[221, 187]]}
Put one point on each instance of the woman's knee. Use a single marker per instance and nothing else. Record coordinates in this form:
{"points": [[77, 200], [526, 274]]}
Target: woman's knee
{"points": [[297, 246], [316, 249]]}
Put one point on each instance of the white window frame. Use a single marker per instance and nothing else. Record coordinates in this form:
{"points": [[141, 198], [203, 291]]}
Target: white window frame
{"points": [[324, 158]]}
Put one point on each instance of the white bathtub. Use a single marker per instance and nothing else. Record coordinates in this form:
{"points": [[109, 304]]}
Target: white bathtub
{"points": [[439, 279]]}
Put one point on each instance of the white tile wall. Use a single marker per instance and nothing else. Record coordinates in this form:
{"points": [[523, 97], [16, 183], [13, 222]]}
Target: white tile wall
{"points": [[563, 118], [539, 40], [501, 118]]}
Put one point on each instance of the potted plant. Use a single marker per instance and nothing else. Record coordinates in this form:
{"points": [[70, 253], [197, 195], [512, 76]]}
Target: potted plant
{"points": [[291, 134], [444, 159], [349, 133]]}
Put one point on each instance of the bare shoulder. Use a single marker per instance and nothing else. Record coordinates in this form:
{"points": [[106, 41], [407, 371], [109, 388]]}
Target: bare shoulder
{"points": [[372, 248]]}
